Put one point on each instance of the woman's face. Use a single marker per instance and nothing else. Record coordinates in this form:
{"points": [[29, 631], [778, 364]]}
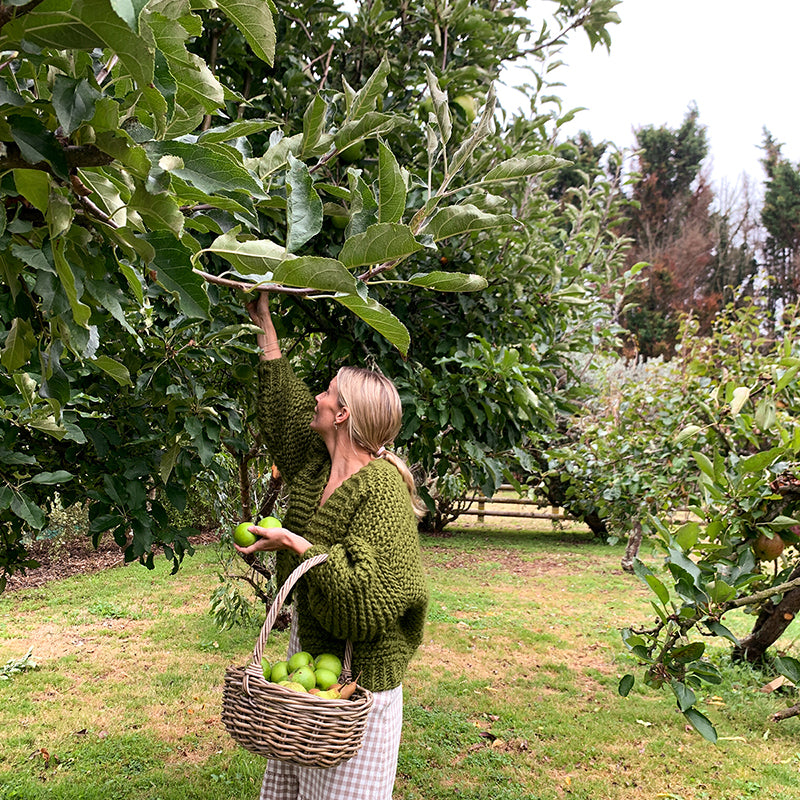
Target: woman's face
{"points": [[326, 409]]}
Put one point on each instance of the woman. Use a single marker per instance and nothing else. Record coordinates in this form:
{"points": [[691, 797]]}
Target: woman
{"points": [[351, 498]]}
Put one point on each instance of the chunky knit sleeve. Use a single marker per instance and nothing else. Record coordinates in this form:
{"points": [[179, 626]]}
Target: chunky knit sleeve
{"points": [[373, 576], [285, 408]]}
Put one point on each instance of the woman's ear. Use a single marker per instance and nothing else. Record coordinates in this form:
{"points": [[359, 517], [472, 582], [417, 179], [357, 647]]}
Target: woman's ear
{"points": [[342, 414]]}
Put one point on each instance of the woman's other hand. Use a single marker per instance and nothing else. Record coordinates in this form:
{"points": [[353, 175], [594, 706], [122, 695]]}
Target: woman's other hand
{"points": [[273, 539]]}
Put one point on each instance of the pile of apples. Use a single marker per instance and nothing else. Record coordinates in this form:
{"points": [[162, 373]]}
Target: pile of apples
{"points": [[304, 673]]}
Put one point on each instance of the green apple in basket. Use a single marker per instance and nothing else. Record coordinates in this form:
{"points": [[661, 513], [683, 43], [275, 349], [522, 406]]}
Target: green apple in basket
{"points": [[301, 659], [278, 673], [294, 686], [305, 677], [329, 662], [325, 678]]}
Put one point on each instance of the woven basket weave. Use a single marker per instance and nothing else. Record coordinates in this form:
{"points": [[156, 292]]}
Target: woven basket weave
{"points": [[280, 723]]}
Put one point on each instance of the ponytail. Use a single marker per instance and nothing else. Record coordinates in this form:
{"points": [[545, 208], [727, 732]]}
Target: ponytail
{"points": [[420, 509]]}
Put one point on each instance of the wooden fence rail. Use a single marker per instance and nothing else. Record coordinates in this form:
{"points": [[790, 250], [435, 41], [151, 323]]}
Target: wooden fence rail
{"points": [[482, 511]]}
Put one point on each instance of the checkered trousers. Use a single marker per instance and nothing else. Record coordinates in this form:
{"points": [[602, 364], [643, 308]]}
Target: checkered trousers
{"points": [[369, 775]]}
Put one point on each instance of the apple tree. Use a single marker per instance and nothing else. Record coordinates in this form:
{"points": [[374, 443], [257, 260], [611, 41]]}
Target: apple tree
{"points": [[131, 224], [738, 549]]}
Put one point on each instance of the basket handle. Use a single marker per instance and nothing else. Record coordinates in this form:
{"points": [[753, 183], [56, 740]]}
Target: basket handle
{"points": [[254, 669], [277, 603]]}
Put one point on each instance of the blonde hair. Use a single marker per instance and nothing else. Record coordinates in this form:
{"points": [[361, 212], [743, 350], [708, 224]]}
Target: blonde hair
{"points": [[375, 418]]}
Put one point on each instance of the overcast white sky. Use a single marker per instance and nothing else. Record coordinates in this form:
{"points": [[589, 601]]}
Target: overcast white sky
{"points": [[738, 60]]}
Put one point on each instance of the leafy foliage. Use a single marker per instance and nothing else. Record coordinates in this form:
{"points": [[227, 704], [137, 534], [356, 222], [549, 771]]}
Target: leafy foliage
{"points": [[130, 219], [741, 394]]}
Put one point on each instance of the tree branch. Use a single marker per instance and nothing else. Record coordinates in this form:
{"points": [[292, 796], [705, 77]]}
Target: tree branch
{"points": [[785, 713], [86, 155], [7, 13], [765, 594]]}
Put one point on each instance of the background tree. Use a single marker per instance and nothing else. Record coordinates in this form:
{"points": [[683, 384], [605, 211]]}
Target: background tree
{"points": [[780, 216], [669, 220]]}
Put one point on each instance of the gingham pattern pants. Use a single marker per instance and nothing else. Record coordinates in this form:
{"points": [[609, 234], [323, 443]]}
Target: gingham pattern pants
{"points": [[369, 775]]}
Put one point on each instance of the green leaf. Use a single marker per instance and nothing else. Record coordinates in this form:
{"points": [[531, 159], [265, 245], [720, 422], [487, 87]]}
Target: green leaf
{"points": [[701, 724], [788, 667], [449, 281], [482, 130], [687, 535], [658, 587], [52, 478], [379, 318], [378, 244], [60, 212], [363, 205], [782, 521], [516, 168], [236, 130], [759, 461], [313, 125], [456, 220], [210, 167], [315, 272], [370, 126], [80, 311], [18, 345], [392, 186], [254, 19], [303, 206], [173, 265], [159, 211], [683, 694], [130, 11], [28, 511], [687, 433], [74, 102], [34, 186], [168, 460], [719, 591], [625, 685], [717, 628], [704, 463], [688, 653], [366, 98], [250, 257], [787, 377], [441, 107], [119, 372], [38, 145]]}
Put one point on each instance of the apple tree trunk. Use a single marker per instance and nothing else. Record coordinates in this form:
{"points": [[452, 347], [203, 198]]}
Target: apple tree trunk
{"points": [[769, 626]]}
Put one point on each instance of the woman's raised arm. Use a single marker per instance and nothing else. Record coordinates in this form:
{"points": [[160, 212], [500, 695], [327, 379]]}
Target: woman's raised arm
{"points": [[260, 314]]}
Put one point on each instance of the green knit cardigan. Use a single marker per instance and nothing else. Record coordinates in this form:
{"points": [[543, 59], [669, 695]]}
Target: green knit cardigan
{"points": [[371, 590]]}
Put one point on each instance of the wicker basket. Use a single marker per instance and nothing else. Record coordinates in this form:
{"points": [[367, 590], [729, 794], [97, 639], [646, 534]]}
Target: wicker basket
{"points": [[280, 723]]}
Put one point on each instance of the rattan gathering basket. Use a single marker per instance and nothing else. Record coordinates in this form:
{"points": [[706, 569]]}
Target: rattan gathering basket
{"points": [[283, 724]]}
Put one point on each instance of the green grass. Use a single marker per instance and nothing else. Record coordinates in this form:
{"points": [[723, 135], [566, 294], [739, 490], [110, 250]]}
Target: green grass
{"points": [[513, 694]]}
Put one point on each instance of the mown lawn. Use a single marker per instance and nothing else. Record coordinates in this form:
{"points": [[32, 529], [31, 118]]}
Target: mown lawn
{"points": [[513, 694]]}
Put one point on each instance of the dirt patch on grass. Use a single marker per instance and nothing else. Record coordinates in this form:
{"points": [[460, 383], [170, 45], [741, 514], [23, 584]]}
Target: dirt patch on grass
{"points": [[506, 560], [59, 558]]}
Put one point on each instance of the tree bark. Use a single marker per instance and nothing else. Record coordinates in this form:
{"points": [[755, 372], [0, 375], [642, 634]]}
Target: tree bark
{"points": [[769, 626], [632, 550]]}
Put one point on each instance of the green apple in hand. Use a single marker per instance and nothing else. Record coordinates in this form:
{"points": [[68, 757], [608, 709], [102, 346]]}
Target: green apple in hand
{"points": [[242, 535], [269, 522]]}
